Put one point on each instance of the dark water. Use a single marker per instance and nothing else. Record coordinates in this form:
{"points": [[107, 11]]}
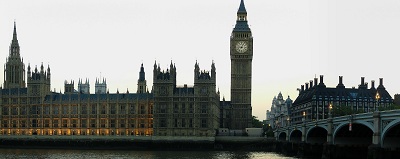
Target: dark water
{"points": [[108, 154]]}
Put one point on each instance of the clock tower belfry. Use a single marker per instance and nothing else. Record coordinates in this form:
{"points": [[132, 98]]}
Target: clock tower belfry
{"points": [[241, 53]]}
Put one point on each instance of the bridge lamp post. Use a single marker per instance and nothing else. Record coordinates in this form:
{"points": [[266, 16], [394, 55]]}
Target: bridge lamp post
{"points": [[303, 136], [330, 110], [377, 97], [288, 121]]}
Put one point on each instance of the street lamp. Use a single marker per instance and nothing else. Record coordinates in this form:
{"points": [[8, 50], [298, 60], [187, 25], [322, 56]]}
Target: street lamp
{"points": [[304, 115], [330, 110], [288, 120], [377, 97]]}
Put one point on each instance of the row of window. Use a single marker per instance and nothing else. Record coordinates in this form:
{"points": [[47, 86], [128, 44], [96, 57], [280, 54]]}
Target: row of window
{"points": [[65, 109], [76, 132], [182, 123], [83, 123]]}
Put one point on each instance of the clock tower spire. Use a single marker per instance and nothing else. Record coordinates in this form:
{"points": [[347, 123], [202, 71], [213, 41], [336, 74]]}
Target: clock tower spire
{"points": [[241, 53]]}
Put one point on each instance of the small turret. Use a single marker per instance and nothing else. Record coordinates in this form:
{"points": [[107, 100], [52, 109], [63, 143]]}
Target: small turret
{"points": [[100, 86], [69, 87], [48, 71], [84, 88], [142, 85]]}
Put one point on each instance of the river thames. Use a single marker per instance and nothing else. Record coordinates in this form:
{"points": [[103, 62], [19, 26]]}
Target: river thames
{"points": [[122, 154]]}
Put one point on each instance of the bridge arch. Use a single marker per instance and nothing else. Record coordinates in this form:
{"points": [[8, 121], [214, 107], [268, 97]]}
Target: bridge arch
{"points": [[295, 135], [369, 125], [360, 134], [317, 135], [391, 135], [282, 136]]}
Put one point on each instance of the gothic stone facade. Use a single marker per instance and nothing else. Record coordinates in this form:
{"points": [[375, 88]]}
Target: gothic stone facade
{"points": [[241, 53], [35, 110], [185, 111]]}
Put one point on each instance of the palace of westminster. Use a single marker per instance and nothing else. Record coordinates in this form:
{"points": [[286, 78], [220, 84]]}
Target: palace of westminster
{"points": [[29, 107]]}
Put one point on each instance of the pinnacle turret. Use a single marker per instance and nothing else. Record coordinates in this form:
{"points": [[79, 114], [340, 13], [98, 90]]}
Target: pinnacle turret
{"points": [[14, 47], [142, 73]]}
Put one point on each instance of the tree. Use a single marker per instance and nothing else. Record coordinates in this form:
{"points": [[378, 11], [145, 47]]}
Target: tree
{"points": [[256, 123]]}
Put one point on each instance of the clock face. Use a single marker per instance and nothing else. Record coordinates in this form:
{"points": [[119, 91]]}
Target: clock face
{"points": [[241, 46]]}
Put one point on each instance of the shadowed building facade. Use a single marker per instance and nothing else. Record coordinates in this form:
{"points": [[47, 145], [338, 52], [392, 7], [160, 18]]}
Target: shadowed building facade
{"points": [[185, 111], [314, 99]]}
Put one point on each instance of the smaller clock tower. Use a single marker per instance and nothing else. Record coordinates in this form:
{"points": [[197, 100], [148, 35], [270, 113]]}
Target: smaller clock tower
{"points": [[241, 53]]}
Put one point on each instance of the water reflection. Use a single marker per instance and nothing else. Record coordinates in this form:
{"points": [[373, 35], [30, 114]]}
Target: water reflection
{"points": [[122, 154]]}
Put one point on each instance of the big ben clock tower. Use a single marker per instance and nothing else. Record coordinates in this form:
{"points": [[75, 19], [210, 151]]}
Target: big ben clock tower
{"points": [[241, 52]]}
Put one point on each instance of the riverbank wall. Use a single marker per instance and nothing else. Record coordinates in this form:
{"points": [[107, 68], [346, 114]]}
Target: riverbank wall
{"points": [[139, 142]]}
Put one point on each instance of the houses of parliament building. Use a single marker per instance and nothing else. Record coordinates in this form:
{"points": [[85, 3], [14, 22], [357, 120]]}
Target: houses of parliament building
{"points": [[29, 107]]}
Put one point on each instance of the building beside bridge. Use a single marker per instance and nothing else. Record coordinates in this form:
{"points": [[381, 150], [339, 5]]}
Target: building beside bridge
{"points": [[315, 98], [278, 116]]}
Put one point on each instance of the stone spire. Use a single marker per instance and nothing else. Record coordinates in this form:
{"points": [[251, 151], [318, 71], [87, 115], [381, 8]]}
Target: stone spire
{"points": [[241, 21], [14, 70], [242, 8], [14, 48], [142, 74]]}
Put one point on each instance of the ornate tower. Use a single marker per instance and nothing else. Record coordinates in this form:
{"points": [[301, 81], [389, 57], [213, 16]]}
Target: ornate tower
{"points": [[69, 87], [142, 87], [100, 88], [38, 81], [164, 83], [241, 52], [14, 69], [84, 88]]}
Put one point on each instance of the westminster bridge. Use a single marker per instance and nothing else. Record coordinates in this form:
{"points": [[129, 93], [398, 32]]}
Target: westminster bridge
{"points": [[377, 131]]}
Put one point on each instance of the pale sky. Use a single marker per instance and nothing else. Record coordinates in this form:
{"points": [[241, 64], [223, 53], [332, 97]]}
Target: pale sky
{"points": [[294, 41]]}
